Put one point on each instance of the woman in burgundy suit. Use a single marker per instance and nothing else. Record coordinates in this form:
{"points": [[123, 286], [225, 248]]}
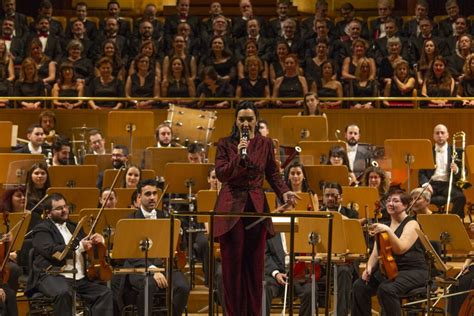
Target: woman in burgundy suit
{"points": [[243, 250]]}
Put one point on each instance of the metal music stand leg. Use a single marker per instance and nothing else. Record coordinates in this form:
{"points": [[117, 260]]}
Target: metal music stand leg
{"points": [[74, 272]]}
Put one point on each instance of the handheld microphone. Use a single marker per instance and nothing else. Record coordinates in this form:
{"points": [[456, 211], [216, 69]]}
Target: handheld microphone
{"points": [[245, 135]]}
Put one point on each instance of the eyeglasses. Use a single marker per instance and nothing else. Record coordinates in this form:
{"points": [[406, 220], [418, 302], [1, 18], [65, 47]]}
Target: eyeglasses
{"points": [[61, 207]]}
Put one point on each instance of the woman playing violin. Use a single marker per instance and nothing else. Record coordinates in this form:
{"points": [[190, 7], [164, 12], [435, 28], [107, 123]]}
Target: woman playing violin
{"points": [[409, 258]]}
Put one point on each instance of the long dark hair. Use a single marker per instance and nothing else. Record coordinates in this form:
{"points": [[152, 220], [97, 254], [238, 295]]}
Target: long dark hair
{"points": [[6, 201], [296, 164], [246, 105], [338, 151]]}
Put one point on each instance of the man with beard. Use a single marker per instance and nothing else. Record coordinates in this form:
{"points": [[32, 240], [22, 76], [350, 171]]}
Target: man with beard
{"points": [[51, 43], [51, 236], [332, 201], [119, 159], [81, 15], [359, 156], [61, 150], [149, 14], [20, 20], [124, 27], [15, 44], [164, 136], [111, 31], [145, 34]]}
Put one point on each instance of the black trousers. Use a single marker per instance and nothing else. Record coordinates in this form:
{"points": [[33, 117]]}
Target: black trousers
{"points": [[136, 284], [457, 196], [8, 308], [301, 290], [388, 292], [97, 296], [201, 247]]}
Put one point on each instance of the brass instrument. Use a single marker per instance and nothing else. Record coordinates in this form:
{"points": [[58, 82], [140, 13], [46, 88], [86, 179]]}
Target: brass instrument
{"points": [[462, 183]]}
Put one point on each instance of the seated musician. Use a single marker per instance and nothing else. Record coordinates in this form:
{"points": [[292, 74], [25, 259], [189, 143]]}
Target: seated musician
{"points": [[439, 186], [164, 136], [420, 205], [332, 201], [409, 258], [62, 155], [119, 159], [36, 145], [111, 202], [295, 179], [52, 236], [134, 283], [97, 142], [276, 277]]}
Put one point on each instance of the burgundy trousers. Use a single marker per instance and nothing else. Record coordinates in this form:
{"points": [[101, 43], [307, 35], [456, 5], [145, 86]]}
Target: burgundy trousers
{"points": [[243, 255]]}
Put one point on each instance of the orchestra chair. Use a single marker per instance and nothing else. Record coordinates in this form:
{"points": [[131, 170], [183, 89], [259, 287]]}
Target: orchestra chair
{"points": [[6, 139]]}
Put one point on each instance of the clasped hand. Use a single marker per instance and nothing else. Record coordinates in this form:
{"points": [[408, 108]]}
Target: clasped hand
{"points": [[290, 198], [93, 240]]}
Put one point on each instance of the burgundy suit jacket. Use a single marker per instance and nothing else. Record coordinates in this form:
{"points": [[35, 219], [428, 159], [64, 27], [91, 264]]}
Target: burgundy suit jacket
{"points": [[243, 180]]}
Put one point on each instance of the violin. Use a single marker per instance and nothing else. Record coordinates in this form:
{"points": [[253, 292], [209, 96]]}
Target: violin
{"points": [[99, 267], [387, 263]]}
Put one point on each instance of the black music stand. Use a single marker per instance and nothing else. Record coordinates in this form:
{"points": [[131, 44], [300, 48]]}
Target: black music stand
{"points": [[410, 154], [144, 239]]}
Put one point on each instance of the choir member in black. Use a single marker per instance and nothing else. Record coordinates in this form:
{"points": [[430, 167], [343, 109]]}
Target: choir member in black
{"points": [[292, 38], [319, 34], [320, 13], [149, 49], [380, 48], [400, 85], [81, 15], [67, 86], [221, 59], [180, 50], [149, 14], [439, 83], [110, 50], [386, 67], [83, 68], [456, 61], [461, 27], [344, 45], [466, 86], [124, 28], [6, 88], [219, 28], [37, 183], [50, 43], [377, 26], [143, 83], [193, 42], [15, 44], [311, 105], [359, 51], [134, 283], [328, 86], [29, 85], [6, 62], [277, 67], [46, 66], [253, 85], [20, 20], [251, 49], [290, 85], [177, 83], [313, 71], [215, 10], [145, 33], [275, 25], [409, 257], [78, 33], [362, 86], [411, 27], [445, 26], [105, 85], [213, 87], [51, 236], [430, 51]]}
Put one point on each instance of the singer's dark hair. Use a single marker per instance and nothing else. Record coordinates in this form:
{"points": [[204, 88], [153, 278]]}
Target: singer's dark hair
{"points": [[246, 105], [296, 164]]}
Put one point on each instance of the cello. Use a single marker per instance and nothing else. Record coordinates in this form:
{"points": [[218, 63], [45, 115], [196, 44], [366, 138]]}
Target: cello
{"points": [[98, 266]]}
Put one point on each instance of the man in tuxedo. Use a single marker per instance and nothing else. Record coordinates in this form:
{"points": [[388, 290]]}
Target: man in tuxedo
{"points": [[111, 31], [348, 14], [182, 15], [439, 185], [145, 33], [35, 135], [239, 23], [148, 196], [265, 49], [15, 44], [426, 33], [21, 22], [46, 10], [149, 14], [275, 27], [291, 37], [446, 26], [412, 28], [51, 237], [359, 156], [384, 8], [320, 13]]}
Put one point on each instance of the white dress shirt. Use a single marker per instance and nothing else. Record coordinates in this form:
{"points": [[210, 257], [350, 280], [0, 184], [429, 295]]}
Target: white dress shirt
{"points": [[80, 266], [441, 171], [351, 154]]}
